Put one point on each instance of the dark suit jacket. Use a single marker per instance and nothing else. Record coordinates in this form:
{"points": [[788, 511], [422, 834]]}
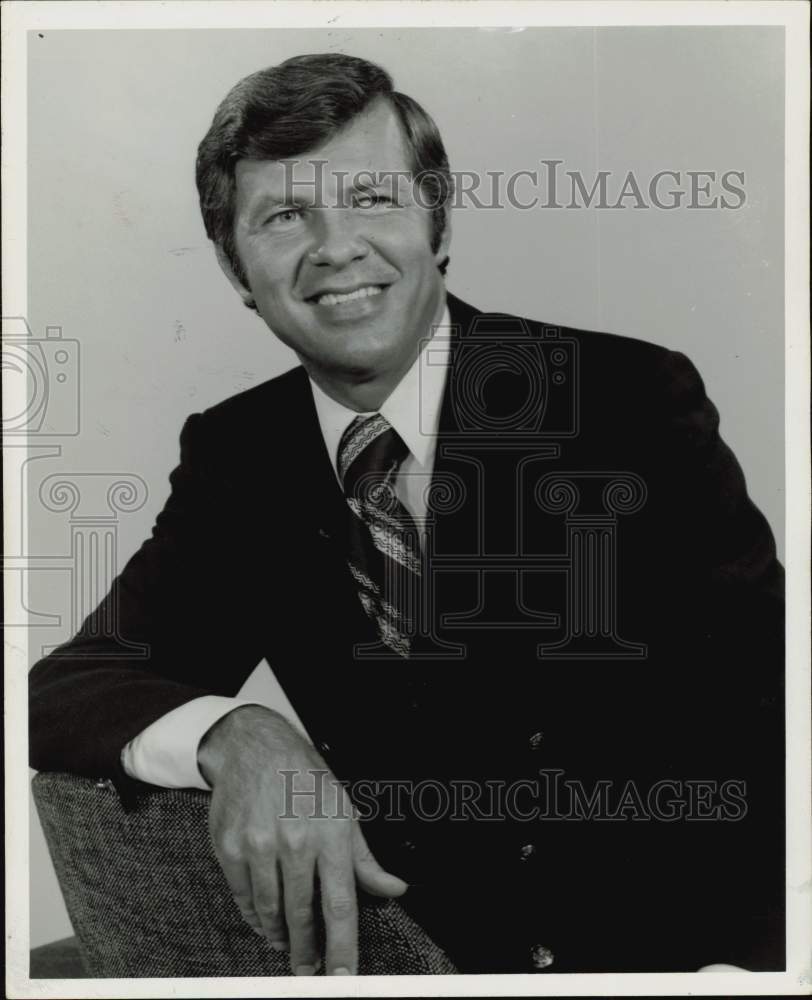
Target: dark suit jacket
{"points": [[247, 560]]}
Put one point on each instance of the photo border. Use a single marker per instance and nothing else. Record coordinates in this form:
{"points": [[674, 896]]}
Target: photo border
{"points": [[21, 17]]}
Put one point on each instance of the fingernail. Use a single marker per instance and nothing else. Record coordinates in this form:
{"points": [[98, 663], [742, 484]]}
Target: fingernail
{"points": [[279, 945], [305, 970], [341, 972]]}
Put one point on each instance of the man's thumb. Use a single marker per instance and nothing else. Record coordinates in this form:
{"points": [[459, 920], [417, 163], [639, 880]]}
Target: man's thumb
{"points": [[371, 877]]}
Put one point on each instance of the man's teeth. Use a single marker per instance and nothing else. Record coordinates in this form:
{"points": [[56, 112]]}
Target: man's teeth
{"points": [[331, 299]]}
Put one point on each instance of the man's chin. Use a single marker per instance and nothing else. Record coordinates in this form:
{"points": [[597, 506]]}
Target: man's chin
{"points": [[373, 359], [360, 370], [376, 369]]}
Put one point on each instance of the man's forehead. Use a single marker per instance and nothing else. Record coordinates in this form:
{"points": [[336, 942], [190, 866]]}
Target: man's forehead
{"points": [[372, 143]]}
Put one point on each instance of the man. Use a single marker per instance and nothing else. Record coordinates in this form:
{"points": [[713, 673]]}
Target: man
{"points": [[484, 557]]}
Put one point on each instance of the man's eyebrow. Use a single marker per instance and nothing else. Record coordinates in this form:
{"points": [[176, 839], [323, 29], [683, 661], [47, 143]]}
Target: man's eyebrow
{"points": [[265, 203], [366, 179], [394, 182]]}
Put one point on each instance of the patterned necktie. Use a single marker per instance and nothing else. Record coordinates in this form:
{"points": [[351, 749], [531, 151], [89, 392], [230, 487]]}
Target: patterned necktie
{"points": [[384, 551]]}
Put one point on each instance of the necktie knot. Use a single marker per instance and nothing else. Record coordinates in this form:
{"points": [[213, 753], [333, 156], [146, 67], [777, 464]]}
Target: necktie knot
{"points": [[370, 453]]}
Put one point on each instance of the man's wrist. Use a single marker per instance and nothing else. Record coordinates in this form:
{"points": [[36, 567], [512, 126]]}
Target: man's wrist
{"points": [[218, 741], [165, 753]]}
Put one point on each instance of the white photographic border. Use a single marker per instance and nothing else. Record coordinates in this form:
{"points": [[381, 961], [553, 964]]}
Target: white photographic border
{"points": [[21, 17]]}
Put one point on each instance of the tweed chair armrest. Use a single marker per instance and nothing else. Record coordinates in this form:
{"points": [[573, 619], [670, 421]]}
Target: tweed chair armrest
{"points": [[147, 898]]}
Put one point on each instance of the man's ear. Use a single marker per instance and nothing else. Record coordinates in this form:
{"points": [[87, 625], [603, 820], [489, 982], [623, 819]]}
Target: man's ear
{"points": [[225, 266], [441, 253]]}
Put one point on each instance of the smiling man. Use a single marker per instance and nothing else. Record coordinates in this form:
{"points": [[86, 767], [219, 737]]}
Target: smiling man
{"points": [[344, 271], [508, 576]]}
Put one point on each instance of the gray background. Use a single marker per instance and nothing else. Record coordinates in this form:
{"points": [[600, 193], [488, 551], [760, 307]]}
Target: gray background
{"points": [[118, 258]]}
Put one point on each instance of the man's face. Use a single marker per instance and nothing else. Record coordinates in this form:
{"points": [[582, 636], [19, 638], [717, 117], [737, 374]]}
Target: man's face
{"points": [[304, 250]]}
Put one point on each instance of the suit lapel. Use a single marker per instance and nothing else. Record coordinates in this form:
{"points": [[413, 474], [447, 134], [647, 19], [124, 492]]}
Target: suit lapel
{"points": [[453, 513]]}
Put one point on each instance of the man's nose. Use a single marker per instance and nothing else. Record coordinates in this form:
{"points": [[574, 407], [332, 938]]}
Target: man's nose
{"points": [[338, 239]]}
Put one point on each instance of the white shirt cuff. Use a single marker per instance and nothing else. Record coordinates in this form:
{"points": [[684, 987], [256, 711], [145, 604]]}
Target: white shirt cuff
{"points": [[165, 753]]}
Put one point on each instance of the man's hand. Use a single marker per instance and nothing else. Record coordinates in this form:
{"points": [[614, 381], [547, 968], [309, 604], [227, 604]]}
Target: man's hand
{"points": [[274, 846]]}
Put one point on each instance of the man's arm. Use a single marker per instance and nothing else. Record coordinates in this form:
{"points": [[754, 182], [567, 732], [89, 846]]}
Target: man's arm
{"points": [[730, 534], [734, 661], [158, 640], [165, 754], [94, 696]]}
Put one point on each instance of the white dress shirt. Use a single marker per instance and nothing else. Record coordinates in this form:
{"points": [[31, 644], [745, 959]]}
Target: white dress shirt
{"points": [[165, 753]]}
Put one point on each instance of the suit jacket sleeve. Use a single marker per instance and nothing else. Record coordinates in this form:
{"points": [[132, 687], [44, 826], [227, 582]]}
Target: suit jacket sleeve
{"points": [[740, 592], [730, 659], [174, 636]]}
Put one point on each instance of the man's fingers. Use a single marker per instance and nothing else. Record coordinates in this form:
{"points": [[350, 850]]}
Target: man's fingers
{"points": [[239, 879], [268, 903], [371, 877], [339, 905], [299, 890]]}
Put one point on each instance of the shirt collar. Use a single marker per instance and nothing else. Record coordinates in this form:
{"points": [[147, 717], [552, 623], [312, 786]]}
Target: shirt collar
{"points": [[412, 408]]}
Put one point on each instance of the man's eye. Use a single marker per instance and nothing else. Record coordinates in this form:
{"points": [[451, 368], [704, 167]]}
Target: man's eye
{"points": [[373, 200], [285, 217]]}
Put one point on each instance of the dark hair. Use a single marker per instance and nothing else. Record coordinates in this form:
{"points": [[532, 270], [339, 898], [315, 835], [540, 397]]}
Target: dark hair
{"points": [[289, 109]]}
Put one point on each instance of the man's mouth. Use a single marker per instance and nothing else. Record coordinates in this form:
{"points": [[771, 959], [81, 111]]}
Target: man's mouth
{"points": [[331, 298]]}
